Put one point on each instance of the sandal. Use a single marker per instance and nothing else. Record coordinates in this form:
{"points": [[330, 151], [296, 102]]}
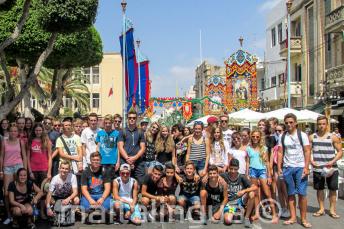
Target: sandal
{"points": [[319, 213], [289, 222], [306, 224], [334, 215]]}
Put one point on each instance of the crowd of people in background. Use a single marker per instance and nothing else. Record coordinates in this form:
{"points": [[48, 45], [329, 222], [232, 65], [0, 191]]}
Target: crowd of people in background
{"points": [[215, 171]]}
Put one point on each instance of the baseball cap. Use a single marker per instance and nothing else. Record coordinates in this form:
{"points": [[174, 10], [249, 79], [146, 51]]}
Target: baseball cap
{"points": [[124, 167], [144, 120], [212, 119]]}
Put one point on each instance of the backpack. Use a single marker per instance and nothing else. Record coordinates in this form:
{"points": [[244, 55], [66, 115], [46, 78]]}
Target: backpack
{"points": [[63, 214], [298, 136]]}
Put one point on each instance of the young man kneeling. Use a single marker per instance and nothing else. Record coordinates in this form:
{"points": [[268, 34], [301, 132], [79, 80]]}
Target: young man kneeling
{"points": [[214, 194], [125, 192], [240, 194]]}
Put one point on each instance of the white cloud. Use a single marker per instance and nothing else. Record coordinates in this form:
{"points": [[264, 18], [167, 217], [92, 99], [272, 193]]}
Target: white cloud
{"points": [[268, 5]]}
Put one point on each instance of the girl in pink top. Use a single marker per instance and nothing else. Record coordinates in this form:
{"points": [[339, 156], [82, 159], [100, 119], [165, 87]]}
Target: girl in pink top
{"points": [[39, 155], [12, 157]]}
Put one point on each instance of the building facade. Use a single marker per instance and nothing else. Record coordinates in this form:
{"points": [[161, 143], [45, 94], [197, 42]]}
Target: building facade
{"points": [[104, 83]]}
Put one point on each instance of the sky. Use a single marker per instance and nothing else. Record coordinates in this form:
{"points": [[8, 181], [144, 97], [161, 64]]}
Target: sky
{"points": [[169, 31]]}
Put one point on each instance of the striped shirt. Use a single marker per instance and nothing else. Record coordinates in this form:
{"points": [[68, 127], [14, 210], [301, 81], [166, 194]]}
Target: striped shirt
{"points": [[197, 152], [323, 151]]}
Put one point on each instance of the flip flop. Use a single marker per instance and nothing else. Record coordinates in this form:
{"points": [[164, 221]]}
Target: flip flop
{"points": [[334, 215], [306, 224], [289, 222], [319, 213]]}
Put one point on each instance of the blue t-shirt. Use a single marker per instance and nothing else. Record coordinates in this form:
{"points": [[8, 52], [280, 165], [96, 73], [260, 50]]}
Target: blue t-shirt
{"points": [[108, 146], [255, 161]]}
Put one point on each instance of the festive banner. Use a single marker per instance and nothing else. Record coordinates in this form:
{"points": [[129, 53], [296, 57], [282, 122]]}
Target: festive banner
{"points": [[215, 89], [131, 67], [187, 110], [144, 81], [150, 109]]}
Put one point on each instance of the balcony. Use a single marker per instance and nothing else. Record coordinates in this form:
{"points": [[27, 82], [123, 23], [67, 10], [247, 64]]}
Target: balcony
{"points": [[334, 21], [280, 92], [335, 77], [295, 48]]}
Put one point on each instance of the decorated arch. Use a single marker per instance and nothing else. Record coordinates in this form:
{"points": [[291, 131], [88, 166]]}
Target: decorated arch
{"points": [[215, 90]]}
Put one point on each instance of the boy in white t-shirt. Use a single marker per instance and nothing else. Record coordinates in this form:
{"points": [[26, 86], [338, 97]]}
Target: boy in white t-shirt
{"points": [[88, 138]]}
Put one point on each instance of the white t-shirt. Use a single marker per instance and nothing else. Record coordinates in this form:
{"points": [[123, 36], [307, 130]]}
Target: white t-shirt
{"points": [[240, 155], [227, 136], [63, 189], [218, 156], [88, 137], [293, 152]]}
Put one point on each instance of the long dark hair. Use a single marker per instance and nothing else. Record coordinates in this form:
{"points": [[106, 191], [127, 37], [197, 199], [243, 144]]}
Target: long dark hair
{"points": [[2, 132], [18, 172], [267, 130], [44, 137]]}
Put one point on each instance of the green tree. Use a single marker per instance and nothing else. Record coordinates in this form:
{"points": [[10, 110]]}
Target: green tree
{"points": [[34, 42]]}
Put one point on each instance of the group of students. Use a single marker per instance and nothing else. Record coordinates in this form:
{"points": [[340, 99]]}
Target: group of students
{"points": [[213, 170]]}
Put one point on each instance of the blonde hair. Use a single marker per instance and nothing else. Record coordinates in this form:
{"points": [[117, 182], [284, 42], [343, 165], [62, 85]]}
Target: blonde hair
{"points": [[162, 144], [261, 144], [212, 139], [78, 121], [108, 117], [149, 136]]}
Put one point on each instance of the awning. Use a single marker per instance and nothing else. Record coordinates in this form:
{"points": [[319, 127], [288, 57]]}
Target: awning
{"points": [[318, 107], [337, 112]]}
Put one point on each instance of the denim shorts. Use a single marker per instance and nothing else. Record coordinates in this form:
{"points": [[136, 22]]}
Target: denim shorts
{"points": [[10, 170], [190, 200], [257, 173], [200, 165], [294, 181]]}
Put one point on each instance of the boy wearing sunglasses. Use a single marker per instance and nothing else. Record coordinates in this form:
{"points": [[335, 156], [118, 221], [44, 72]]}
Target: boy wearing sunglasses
{"points": [[125, 192]]}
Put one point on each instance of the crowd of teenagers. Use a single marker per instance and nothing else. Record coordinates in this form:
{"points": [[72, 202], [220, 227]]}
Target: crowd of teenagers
{"points": [[216, 171]]}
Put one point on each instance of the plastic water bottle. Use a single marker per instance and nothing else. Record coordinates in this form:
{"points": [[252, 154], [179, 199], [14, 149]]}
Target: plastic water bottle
{"points": [[35, 212]]}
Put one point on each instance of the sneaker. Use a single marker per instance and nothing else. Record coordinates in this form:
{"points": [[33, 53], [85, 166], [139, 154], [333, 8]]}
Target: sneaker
{"points": [[7, 221], [285, 213], [247, 223], [150, 217]]}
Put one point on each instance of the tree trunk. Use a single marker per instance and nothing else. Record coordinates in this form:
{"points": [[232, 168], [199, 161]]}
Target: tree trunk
{"points": [[9, 106], [17, 30], [61, 79]]}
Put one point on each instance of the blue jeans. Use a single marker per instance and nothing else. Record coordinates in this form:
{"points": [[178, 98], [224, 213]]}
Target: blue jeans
{"points": [[294, 181], [106, 204], [190, 200], [257, 173]]}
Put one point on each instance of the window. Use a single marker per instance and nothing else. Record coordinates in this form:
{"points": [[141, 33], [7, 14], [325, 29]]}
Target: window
{"points": [[33, 102], [262, 84], [297, 27], [95, 100], [273, 81], [280, 33], [95, 75], [87, 74], [281, 78], [273, 37], [67, 102], [298, 72]]}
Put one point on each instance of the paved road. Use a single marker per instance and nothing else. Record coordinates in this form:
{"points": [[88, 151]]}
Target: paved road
{"points": [[320, 222]]}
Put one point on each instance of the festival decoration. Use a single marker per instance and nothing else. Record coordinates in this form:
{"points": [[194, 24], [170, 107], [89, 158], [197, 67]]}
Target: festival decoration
{"points": [[215, 89], [241, 82], [187, 110]]}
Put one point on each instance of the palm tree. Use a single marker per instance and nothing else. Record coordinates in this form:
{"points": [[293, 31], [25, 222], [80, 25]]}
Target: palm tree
{"points": [[69, 83]]}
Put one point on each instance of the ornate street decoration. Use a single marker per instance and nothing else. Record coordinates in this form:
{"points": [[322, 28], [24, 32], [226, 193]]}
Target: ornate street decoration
{"points": [[215, 90], [241, 82]]}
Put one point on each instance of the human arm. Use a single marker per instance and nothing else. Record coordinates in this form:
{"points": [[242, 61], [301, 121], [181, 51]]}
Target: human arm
{"points": [[14, 203], [135, 196], [187, 156], [280, 160], [106, 193], [2, 154], [207, 153], [146, 194], [50, 212], [23, 153], [50, 160], [115, 193], [39, 194], [337, 143]]}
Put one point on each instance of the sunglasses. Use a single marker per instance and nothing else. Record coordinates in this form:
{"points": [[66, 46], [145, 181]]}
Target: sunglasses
{"points": [[257, 137], [224, 121], [131, 118], [116, 121], [199, 123], [58, 125], [155, 128], [125, 173]]}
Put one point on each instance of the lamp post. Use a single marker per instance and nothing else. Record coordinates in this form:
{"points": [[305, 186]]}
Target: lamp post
{"points": [[289, 3], [124, 7]]}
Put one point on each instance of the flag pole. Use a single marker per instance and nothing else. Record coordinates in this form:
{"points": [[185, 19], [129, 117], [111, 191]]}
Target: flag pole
{"points": [[124, 6]]}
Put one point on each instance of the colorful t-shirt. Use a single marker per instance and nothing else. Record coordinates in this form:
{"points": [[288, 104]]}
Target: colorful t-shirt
{"points": [[61, 189], [95, 180], [234, 186], [255, 160], [108, 146], [219, 156]]}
